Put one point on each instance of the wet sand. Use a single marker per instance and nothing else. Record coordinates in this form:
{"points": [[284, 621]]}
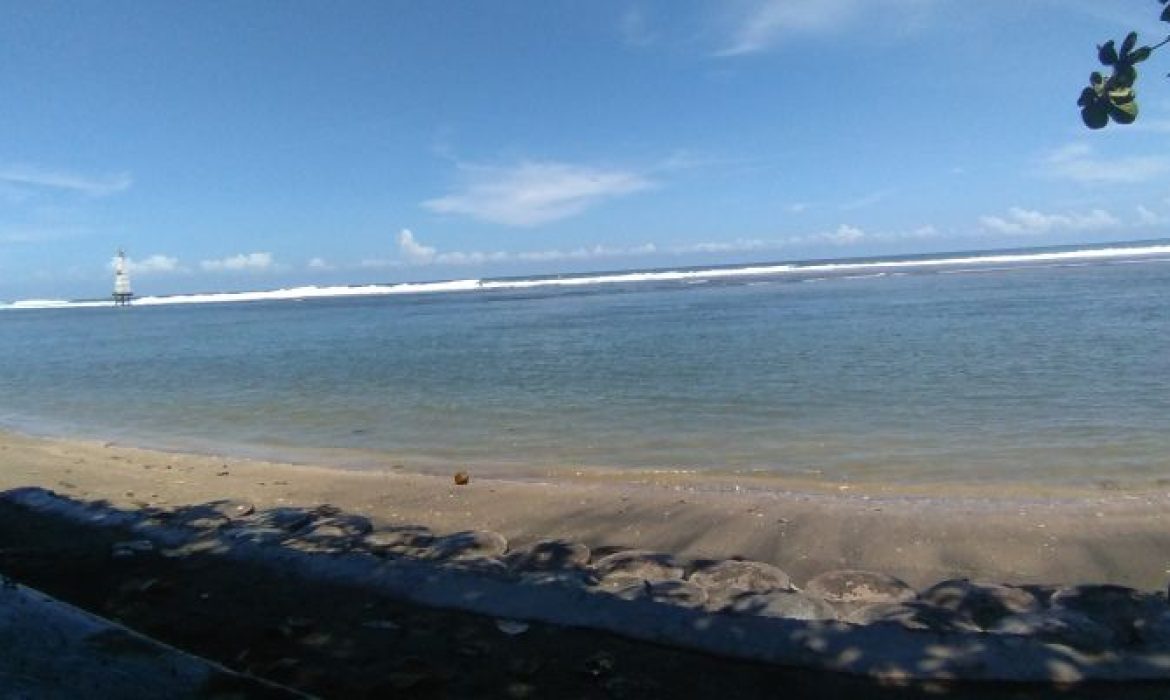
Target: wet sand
{"points": [[1008, 533]]}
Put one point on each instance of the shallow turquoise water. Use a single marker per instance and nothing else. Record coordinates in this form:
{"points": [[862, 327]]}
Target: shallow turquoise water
{"points": [[1036, 372]]}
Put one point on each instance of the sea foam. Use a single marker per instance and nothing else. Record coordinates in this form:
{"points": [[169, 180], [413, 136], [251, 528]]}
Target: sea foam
{"points": [[868, 268]]}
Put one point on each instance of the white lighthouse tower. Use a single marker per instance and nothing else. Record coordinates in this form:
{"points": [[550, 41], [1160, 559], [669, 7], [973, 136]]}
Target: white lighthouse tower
{"points": [[122, 293]]}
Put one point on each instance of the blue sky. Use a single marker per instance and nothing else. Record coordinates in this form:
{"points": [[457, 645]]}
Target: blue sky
{"points": [[253, 145]]}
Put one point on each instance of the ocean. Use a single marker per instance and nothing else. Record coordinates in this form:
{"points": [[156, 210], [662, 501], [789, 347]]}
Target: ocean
{"points": [[1034, 366]]}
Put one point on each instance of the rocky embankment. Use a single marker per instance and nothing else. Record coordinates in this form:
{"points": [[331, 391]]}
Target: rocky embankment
{"points": [[860, 622]]}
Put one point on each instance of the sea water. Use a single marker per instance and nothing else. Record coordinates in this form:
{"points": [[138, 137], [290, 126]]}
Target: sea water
{"points": [[1036, 366]]}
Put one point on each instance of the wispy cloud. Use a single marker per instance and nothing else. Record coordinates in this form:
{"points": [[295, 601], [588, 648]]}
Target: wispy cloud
{"points": [[1149, 217], [634, 28], [415, 252], [867, 200], [33, 234], [41, 178], [1019, 221], [759, 25], [842, 236], [244, 262], [534, 193], [1077, 162], [152, 265], [320, 265]]}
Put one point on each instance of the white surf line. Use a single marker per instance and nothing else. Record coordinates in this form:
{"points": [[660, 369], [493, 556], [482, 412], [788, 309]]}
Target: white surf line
{"points": [[470, 285]]}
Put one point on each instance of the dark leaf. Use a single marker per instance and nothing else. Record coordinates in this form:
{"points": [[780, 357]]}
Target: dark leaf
{"points": [[1140, 55], [1124, 75], [1088, 97], [1121, 96], [1095, 116], [1095, 79], [1166, 14], [1128, 44], [1124, 114], [1107, 53]]}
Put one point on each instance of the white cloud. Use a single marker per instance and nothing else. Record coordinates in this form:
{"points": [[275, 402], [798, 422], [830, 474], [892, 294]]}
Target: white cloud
{"points": [[251, 262], [759, 25], [844, 235], [412, 250], [1031, 222], [319, 264], [155, 264], [534, 193], [36, 177], [415, 253], [1076, 162]]}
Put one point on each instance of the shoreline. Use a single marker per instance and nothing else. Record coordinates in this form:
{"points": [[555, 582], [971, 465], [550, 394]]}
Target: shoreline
{"points": [[924, 535]]}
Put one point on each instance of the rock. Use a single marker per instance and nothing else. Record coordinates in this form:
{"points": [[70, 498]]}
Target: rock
{"points": [[651, 566], [1154, 630], [132, 547], [227, 508], [741, 576], [288, 519], [911, 615], [550, 555], [600, 664], [462, 478], [856, 586], [792, 605], [1118, 608], [325, 510], [983, 604], [569, 578], [468, 544], [512, 627], [669, 591], [340, 527], [404, 540], [484, 566], [684, 593], [257, 534], [1067, 627]]}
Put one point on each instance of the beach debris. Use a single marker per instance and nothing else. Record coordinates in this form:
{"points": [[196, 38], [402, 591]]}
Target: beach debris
{"points": [[132, 548], [983, 604], [468, 544], [640, 563], [857, 586], [732, 577], [462, 478], [550, 555], [512, 627], [792, 605]]}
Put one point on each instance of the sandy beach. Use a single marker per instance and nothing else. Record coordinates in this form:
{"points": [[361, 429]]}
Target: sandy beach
{"points": [[1112, 533]]}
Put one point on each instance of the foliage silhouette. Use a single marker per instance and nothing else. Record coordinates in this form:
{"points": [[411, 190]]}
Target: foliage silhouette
{"points": [[1114, 98]]}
